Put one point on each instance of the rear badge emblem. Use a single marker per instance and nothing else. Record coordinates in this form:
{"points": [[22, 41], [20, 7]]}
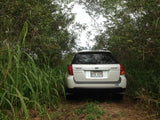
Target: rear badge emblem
{"points": [[96, 68]]}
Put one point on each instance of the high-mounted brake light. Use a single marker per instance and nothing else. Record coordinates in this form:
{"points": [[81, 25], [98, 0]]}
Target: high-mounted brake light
{"points": [[70, 70], [122, 70]]}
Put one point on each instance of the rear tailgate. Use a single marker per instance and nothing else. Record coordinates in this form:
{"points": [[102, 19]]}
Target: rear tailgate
{"points": [[95, 67], [96, 73]]}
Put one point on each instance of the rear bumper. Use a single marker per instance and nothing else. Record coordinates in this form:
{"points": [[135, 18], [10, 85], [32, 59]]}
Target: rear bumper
{"points": [[109, 87]]}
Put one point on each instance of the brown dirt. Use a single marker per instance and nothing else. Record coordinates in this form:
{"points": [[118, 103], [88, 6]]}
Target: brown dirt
{"points": [[125, 109]]}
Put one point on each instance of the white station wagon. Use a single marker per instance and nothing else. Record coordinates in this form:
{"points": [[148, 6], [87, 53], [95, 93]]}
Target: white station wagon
{"points": [[94, 71]]}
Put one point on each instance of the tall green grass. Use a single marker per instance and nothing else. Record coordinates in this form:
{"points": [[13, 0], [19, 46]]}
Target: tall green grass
{"points": [[25, 84]]}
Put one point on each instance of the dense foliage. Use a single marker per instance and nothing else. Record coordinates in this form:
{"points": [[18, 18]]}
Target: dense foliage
{"points": [[40, 27], [33, 38]]}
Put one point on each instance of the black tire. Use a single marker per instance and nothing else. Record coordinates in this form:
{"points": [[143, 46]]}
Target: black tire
{"points": [[68, 94]]}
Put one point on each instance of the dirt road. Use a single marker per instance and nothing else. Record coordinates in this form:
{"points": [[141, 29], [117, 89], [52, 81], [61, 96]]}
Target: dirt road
{"points": [[99, 108]]}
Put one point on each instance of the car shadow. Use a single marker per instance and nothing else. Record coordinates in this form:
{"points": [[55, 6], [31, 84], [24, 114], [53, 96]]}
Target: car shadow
{"points": [[94, 97]]}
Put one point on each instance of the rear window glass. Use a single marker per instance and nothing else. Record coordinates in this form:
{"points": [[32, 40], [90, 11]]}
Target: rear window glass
{"points": [[94, 58]]}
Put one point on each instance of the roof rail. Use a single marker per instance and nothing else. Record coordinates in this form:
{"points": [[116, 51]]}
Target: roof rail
{"points": [[100, 50], [104, 48]]}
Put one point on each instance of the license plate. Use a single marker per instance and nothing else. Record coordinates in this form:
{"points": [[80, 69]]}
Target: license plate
{"points": [[96, 74]]}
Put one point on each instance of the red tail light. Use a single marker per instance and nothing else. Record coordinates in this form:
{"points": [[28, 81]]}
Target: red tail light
{"points": [[70, 70], [122, 70]]}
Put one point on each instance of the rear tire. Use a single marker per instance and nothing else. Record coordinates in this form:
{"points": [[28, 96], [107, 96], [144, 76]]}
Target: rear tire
{"points": [[68, 94]]}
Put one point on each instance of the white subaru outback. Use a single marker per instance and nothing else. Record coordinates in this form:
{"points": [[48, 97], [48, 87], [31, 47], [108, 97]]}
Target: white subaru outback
{"points": [[95, 70]]}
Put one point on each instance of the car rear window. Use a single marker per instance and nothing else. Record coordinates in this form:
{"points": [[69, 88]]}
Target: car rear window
{"points": [[94, 58]]}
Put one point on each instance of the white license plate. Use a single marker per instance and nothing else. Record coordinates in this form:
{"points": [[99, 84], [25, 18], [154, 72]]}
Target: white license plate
{"points": [[96, 74]]}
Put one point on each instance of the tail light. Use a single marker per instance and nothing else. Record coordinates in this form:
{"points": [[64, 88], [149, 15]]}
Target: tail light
{"points": [[70, 70], [122, 70]]}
